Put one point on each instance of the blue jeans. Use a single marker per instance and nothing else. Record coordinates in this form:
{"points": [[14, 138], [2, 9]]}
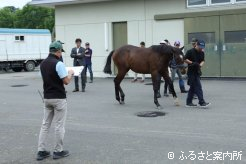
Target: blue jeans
{"points": [[181, 81], [195, 88], [90, 70]]}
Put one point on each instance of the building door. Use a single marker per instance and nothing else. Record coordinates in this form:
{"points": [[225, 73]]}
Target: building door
{"points": [[119, 36], [225, 38], [233, 39], [206, 28]]}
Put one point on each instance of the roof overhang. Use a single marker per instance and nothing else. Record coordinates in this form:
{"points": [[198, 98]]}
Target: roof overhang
{"points": [[53, 3]]}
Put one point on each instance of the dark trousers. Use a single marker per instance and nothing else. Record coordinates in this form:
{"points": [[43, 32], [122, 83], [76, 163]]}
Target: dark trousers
{"points": [[89, 66], [165, 85], [83, 80], [195, 88]]}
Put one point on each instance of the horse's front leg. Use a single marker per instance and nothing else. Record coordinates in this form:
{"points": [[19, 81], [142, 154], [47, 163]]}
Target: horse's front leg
{"points": [[155, 82], [171, 89], [122, 95]]}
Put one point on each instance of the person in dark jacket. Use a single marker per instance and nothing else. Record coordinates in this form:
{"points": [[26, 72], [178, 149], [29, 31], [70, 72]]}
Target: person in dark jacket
{"points": [[88, 63], [78, 55], [54, 75], [195, 60]]}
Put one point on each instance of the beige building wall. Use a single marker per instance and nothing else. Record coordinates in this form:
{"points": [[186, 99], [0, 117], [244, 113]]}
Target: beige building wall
{"points": [[92, 22]]}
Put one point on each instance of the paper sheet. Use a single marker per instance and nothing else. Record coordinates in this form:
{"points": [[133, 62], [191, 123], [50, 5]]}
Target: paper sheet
{"points": [[77, 70]]}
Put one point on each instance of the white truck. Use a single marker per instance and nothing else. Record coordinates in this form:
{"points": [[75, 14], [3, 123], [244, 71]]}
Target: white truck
{"points": [[23, 48]]}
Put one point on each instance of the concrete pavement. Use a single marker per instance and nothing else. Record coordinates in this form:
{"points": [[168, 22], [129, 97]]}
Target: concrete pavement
{"points": [[100, 131]]}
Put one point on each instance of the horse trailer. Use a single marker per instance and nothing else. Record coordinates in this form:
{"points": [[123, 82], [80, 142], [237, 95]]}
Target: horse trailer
{"points": [[23, 48]]}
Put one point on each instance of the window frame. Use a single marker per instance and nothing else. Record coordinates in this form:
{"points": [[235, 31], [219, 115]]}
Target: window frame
{"points": [[209, 3], [18, 38], [223, 3], [192, 6]]}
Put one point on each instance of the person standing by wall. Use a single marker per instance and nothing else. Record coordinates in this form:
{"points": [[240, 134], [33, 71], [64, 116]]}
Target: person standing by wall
{"points": [[193, 42], [195, 60], [175, 70], [78, 55], [54, 75], [142, 45], [88, 63]]}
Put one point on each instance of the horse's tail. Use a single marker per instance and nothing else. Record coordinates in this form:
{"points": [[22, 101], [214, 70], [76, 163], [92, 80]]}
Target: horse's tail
{"points": [[107, 68]]}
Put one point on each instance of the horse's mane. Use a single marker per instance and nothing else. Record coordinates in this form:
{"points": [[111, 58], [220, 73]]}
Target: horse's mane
{"points": [[162, 49]]}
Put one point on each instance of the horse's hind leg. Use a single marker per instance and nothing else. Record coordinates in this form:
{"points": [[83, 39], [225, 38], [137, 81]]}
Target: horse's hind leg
{"points": [[155, 82], [116, 87]]}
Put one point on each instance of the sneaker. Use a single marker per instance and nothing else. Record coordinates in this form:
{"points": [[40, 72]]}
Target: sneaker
{"points": [[134, 80], [58, 155], [75, 90], [204, 105], [166, 95], [190, 105], [42, 155], [141, 81]]}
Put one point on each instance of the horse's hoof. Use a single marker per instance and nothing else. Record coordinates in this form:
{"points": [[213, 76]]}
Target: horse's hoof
{"points": [[159, 107], [122, 102], [176, 102]]}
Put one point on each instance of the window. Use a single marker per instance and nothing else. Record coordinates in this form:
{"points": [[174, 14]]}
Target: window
{"points": [[235, 36], [196, 2], [240, 0], [22, 38], [220, 1], [19, 38], [207, 37]]}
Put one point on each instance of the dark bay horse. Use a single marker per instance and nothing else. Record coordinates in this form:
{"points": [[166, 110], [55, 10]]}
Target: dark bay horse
{"points": [[153, 60]]}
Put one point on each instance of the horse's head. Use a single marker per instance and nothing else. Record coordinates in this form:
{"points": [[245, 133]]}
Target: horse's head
{"points": [[178, 55], [170, 53]]}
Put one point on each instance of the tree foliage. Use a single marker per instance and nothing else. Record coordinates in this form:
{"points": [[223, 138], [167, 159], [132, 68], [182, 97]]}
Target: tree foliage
{"points": [[7, 17], [30, 17]]}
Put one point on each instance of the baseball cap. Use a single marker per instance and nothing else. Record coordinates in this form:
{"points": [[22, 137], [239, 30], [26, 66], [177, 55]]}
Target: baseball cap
{"points": [[162, 42], [56, 45], [60, 42], [194, 40], [201, 44], [176, 43]]}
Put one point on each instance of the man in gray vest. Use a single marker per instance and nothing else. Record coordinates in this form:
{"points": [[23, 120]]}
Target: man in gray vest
{"points": [[54, 75], [78, 55]]}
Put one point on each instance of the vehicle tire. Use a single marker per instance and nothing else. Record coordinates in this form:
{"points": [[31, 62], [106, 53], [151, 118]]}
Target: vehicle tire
{"points": [[29, 66], [6, 69], [17, 69]]}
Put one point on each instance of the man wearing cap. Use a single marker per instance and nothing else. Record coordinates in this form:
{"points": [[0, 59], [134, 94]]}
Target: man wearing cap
{"points": [[88, 63], [195, 60], [54, 75], [78, 55]]}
